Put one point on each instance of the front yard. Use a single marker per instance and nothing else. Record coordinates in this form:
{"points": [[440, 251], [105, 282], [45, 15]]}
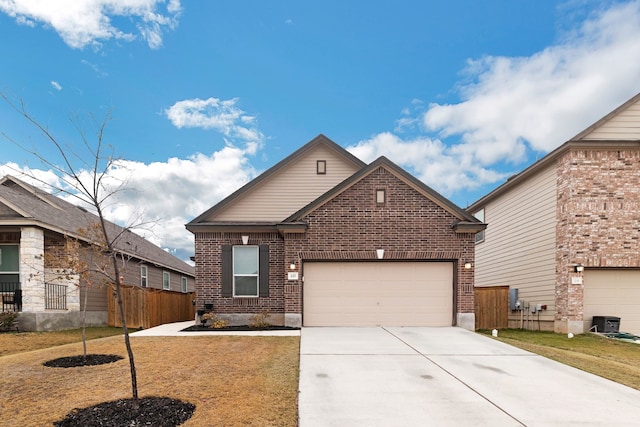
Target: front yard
{"points": [[233, 381], [609, 358]]}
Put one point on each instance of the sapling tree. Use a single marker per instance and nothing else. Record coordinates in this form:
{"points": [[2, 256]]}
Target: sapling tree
{"points": [[88, 183]]}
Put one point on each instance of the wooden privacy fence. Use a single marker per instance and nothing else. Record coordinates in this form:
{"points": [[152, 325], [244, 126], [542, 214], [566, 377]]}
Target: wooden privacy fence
{"points": [[146, 308], [492, 307]]}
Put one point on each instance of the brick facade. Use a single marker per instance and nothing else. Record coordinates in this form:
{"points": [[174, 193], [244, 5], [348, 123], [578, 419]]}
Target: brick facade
{"points": [[350, 226], [598, 220]]}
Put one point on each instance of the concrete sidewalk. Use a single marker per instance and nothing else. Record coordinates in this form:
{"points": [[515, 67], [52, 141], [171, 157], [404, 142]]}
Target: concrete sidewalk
{"points": [[175, 330], [447, 377]]}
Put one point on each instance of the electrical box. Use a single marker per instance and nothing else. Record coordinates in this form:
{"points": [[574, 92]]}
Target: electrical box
{"points": [[513, 300]]}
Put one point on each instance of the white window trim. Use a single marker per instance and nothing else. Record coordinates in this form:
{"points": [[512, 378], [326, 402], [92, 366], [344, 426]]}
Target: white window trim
{"points": [[184, 284], [257, 275], [168, 284], [144, 278]]}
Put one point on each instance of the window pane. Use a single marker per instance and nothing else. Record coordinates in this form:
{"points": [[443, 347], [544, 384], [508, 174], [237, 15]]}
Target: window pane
{"points": [[245, 260], [9, 258], [246, 286]]}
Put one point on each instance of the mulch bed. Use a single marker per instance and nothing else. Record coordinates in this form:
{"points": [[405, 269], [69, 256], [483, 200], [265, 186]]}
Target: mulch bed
{"points": [[242, 328], [88, 360], [146, 411]]}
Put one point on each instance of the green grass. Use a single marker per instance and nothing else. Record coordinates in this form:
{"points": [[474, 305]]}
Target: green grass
{"points": [[606, 357]]}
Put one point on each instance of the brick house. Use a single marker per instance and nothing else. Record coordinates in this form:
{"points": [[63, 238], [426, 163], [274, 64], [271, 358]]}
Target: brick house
{"points": [[564, 234], [322, 238], [38, 230]]}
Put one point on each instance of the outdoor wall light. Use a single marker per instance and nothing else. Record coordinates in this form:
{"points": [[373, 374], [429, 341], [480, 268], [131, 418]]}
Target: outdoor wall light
{"points": [[292, 266], [579, 268], [380, 253], [245, 240], [467, 265]]}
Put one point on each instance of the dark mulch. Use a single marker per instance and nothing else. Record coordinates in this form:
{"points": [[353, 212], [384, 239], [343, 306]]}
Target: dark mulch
{"points": [[75, 361], [200, 328], [146, 411]]}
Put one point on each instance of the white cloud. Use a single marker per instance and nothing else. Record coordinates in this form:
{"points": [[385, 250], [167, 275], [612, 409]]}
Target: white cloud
{"points": [[429, 159], [223, 116], [56, 85], [513, 106], [541, 101], [163, 195], [88, 22]]}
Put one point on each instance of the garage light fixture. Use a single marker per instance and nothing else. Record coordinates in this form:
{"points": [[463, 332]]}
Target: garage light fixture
{"points": [[292, 266], [245, 240], [380, 253], [578, 268], [467, 265]]}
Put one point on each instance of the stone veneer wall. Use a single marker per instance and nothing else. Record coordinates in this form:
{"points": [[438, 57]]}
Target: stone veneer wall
{"points": [[32, 269], [598, 225]]}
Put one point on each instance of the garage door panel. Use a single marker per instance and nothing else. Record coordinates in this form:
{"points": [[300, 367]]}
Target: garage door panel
{"points": [[609, 292], [378, 293]]}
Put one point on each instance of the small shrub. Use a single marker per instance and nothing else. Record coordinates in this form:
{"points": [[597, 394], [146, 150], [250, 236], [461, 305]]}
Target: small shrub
{"points": [[260, 320], [8, 319], [219, 324], [216, 322], [208, 316]]}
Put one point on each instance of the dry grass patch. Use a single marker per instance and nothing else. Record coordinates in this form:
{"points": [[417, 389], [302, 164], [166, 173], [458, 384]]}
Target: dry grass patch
{"points": [[19, 342], [609, 358], [232, 380]]}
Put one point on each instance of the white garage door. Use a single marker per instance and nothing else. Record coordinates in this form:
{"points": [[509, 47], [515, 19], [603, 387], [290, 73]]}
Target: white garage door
{"points": [[613, 293], [378, 294]]}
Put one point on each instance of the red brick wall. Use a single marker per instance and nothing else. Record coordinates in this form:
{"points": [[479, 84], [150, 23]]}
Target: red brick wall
{"points": [[350, 226], [209, 273], [598, 215], [407, 226]]}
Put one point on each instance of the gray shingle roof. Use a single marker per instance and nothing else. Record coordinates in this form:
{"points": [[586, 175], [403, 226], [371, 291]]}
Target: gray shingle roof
{"points": [[39, 208]]}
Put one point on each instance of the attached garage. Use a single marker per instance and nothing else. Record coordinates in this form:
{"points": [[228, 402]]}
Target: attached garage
{"points": [[378, 293], [613, 292]]}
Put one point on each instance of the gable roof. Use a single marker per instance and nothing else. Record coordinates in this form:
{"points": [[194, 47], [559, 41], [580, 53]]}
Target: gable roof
{"points": [[584, 139], [464, 220], [35, 207], [591, 133], [320, 140]]}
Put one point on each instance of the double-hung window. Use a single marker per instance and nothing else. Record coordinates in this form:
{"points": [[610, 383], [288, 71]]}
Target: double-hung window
{"points": [[245, 271], [143, 276], [166, 284], [183, 286]]}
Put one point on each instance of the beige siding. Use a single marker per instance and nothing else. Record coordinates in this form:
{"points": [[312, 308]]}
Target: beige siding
{"points": [[519, 249], [623, 126], [288, 190]]}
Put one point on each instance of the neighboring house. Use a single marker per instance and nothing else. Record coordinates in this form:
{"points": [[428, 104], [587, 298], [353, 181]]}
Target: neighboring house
{"points": [[322, 238], [576, 209], [36, 229]]}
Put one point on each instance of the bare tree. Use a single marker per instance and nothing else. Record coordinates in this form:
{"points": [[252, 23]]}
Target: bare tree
{"points": [[87, 184]]}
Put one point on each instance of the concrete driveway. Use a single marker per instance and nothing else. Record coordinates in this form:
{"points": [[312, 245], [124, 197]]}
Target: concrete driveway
{"points": [[446, 377]]}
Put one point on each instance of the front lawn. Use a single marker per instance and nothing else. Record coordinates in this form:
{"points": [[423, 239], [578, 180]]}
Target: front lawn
{"points": [[610, 358], [19, 342], [232, 380]]}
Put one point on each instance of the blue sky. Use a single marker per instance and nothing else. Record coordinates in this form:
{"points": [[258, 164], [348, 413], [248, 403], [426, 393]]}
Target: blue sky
{"points": [[205, 95]]}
